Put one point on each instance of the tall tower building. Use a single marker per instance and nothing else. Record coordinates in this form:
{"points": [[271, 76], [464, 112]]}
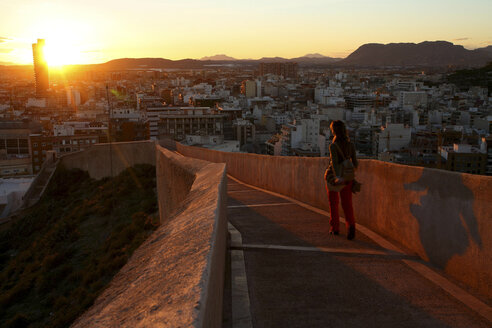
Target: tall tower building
{"points": [[40, 68]]}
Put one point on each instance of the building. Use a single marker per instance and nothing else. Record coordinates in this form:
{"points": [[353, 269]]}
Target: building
{"points": [[361, 101], [301, 136], [127, 129], [15, 147], [463, 158], [128, 124], [40, 68], [486, 147], [73, 97], [177, 122], [408, 85], [412, 98], [71, 128], [205, 101], [12, 190], [213, 142], [364, 139], [63, 144], [248, 88], [244, 131], [287, 70], [393, 137], [274, 145]]}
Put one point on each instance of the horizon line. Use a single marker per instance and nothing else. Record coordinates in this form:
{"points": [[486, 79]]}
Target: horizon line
{"points": [[246, 59]]}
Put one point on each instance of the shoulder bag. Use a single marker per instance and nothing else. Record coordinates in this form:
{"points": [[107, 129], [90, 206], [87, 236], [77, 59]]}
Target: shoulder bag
{"points": [[348, 170]]}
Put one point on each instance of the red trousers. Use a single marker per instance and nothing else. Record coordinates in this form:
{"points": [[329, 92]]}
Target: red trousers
{"points": [[346, 195]]}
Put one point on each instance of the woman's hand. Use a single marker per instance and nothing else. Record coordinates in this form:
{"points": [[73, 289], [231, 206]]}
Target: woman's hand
{"points": [[339, 180]]}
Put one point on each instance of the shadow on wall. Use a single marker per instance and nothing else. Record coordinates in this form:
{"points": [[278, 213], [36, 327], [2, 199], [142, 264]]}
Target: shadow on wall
{"points": [[445, 215]]}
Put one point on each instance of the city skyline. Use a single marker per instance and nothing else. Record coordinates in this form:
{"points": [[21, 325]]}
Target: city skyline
{"points": [[80, 34]]}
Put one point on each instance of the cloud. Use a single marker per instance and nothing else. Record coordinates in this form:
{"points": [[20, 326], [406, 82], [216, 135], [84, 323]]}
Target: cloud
{"points": [[5, 50], [461, 39], [89, 51], [4, 39]]}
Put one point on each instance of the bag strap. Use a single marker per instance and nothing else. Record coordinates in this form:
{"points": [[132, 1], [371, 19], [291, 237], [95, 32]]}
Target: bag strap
{"points": [[340, 151]]}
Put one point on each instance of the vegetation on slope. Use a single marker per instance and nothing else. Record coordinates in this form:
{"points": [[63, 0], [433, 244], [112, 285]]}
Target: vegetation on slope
{"points": [[467, 78], [61, 253]]}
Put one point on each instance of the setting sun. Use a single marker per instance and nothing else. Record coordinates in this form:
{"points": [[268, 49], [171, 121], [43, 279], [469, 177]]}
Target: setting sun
{"points": [[58, 54]]}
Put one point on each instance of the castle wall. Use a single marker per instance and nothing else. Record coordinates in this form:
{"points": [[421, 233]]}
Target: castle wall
{"points": [[176, 277], [444, 217], [100, 162]]}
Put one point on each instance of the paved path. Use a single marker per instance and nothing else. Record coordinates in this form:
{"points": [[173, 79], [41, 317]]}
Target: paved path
{"points": [[39, 184], [297, 275]]}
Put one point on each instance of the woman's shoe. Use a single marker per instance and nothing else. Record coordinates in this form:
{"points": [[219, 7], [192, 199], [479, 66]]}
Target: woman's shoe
{"points": [[334, 232], [351, 233]]}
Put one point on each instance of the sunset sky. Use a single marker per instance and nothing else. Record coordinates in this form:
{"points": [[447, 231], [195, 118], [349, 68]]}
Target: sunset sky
{"points": [[90, 31]]}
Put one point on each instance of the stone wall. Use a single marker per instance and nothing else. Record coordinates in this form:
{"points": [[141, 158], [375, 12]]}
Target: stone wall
{"points": [[175, 176], [444, 217], [98, 158], [176, 277]]}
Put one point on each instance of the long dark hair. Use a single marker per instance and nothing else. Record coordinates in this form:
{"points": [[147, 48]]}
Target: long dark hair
{"points": [[340, 131]]}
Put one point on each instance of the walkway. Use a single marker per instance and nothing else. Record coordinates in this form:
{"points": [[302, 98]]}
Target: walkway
{"points": [[39, 184], [297, 275]]}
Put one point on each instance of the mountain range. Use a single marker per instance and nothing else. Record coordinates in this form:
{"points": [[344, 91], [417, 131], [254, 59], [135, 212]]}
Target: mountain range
{"points": [[425, 54], [304, 59], [488, 49], [140, 63], [438, 54]]}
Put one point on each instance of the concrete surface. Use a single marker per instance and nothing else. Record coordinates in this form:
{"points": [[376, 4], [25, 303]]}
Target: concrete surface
{"points": [[300, 276], [38, 186], [97, 159], [444, 217], [175, 175], [176, 278]]}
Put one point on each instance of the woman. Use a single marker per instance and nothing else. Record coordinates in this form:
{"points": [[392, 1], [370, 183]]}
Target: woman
{"points": [[341, 149]]}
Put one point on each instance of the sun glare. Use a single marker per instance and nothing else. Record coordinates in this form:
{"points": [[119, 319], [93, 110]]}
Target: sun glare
{"points": [[58, 54], [65, 40]]}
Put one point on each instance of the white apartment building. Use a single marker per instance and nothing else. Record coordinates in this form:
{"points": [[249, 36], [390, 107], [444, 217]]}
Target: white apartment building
{"points": [[281, 118], [323, 94], [360, 114], [330, 114], [412, 98], [408, 85], [301, 134], [202, 88], [393, 137], [340, 76], [73, 97]]}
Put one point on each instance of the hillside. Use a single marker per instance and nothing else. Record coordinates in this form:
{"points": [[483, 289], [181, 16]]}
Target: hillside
{"points": [[57, 256], [426, 54], [142, 63], [161, 63], [464, 79], [487, 49]]}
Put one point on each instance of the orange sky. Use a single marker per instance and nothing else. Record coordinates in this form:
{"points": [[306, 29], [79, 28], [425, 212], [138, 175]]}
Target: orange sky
{"points": [[96, 31]]}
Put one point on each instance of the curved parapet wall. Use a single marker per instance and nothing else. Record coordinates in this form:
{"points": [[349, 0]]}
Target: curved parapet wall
{"points": [[104, 160], [296, 177], [176, 277], [444, 217], [175, 176]]}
